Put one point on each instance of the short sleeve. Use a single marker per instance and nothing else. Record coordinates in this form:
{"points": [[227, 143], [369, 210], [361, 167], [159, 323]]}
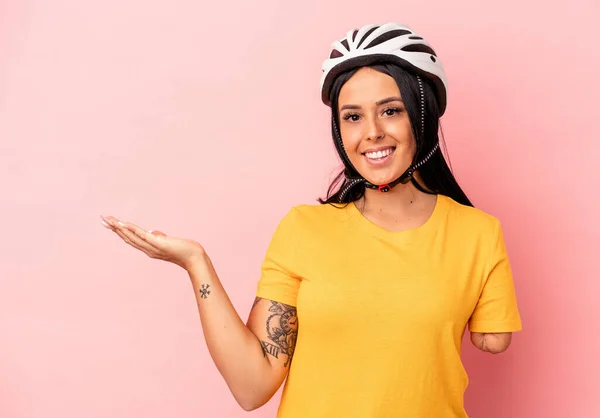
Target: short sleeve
{"points": [[496, 310], [279, 279]]}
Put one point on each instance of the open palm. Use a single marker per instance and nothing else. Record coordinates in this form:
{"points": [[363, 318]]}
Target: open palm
{"points": [[156, 244]]}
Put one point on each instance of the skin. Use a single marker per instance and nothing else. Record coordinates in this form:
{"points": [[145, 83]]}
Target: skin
{"points": [[372, 116]]}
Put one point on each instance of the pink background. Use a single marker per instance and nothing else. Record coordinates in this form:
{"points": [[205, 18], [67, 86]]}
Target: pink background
{"points": [[204, 120]]}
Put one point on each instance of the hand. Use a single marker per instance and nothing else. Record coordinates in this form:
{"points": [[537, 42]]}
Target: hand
{"points": [[155, 244]]}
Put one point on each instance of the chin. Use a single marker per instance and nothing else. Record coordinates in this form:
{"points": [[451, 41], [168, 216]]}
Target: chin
{"points": [[377, 180], [379, 175]]}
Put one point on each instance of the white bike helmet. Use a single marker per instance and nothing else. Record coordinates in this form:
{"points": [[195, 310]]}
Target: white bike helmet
{"points": [[391, 42]]}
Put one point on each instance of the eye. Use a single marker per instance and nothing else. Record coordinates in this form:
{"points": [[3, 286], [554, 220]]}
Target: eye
{"points": [[353, 117], [392, 111]]}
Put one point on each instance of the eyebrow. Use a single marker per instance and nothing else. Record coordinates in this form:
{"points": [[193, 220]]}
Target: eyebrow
{"points": [[379, 103]]}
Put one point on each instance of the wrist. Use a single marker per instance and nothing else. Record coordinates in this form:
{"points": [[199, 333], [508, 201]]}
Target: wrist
{"points": [[199, 267]]}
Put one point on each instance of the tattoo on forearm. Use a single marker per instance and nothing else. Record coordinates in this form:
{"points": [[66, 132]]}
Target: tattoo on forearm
{"points": [[282, 329], [204, 292]]}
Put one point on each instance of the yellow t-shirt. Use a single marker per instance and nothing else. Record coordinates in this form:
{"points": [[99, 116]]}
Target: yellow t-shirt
{"points": [[381, 314]]}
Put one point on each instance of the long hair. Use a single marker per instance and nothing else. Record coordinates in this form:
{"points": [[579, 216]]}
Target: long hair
{"points": [[435, 173]]}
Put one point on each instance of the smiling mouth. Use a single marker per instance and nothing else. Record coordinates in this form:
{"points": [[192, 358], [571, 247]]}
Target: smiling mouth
{"points": [[379, 155]]}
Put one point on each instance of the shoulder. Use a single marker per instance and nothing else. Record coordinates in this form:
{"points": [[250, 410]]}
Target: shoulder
{"points": [[470, 219], [314, 216], [316, 212]]}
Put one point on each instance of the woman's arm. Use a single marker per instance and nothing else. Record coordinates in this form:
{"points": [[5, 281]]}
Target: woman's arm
{"points": [[494, 343], [253, 359]]}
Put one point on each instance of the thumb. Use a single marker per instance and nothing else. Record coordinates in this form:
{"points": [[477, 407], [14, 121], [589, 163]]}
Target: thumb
{"points": [[157, 233]]}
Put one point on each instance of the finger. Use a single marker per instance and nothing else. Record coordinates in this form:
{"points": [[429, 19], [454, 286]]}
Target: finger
{"points": [[112, 221], [146, 241], [107, 223], [130, 237], [138, 244], [149, 237]]}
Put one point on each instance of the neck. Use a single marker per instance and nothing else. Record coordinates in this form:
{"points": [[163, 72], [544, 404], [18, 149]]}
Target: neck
{"points": [[400, 200]]}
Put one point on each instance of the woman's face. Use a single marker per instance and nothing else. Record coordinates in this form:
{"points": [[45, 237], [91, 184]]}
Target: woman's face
{"points": [[375, 127]]}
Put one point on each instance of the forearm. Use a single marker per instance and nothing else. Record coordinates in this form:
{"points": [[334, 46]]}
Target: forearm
{"points": [[236, 351]]}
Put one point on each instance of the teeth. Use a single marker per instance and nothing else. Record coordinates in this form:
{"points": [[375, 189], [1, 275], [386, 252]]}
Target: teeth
{"points": [[379, 154]]}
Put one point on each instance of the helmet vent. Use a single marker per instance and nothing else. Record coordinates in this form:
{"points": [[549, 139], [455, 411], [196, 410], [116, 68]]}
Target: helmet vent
{"points": [[387, 36], [419, 48], [366, 35], [335, 54]]}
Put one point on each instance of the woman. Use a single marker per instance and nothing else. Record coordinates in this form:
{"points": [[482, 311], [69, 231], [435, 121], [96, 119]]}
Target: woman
{"points": [[370, 292]]}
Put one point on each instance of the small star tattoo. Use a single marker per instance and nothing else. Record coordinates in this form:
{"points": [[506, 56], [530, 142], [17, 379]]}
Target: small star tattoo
{"points": [[204, 292]]}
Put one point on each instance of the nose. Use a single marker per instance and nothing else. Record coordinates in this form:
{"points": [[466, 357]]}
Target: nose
{"points": [[374, 131]]}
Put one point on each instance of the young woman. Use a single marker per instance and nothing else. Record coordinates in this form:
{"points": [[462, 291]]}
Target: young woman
{"points": [[364, 299]]}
